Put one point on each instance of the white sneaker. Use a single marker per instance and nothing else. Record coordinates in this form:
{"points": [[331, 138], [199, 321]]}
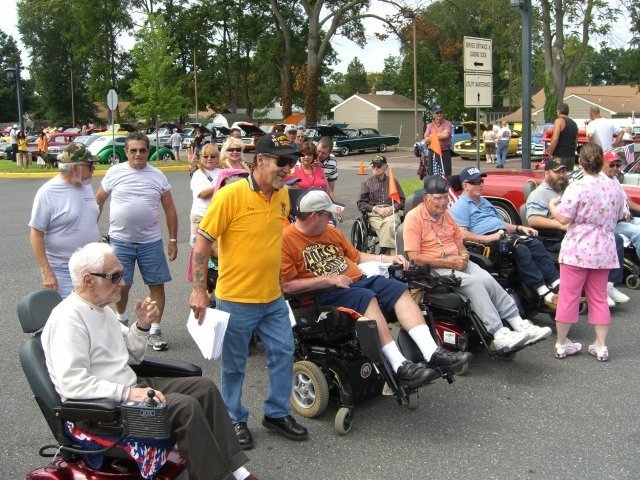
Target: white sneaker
{"points": [[569, 348], [616, 295], [610, 302], [535, 332], [505, 338]]}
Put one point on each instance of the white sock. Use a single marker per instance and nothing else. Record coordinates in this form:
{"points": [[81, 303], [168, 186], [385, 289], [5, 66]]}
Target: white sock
{"points": [[241, 473], [542, 291], [422, 336], [513, 321], [555, 283], [155, 328], [393, 355], [609, 285]]}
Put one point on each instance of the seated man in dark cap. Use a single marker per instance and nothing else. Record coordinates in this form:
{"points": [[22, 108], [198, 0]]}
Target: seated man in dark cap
{"points": [[314, 256], [432, 237], [479, 221], [374, 201]]}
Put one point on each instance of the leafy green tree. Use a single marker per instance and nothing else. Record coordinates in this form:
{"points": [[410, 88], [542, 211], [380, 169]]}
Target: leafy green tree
{"points": [[156, 92], [355, 81]]}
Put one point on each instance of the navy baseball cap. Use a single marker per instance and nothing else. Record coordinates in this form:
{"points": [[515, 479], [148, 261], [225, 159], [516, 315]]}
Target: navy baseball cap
{"points": [[435, 184], [469, 174], [437, 109]]}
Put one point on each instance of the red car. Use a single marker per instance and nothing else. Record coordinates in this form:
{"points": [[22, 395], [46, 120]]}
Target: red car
{"points": [[505, 190]]}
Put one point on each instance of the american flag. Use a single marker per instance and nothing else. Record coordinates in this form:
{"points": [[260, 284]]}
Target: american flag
{"points": [[628, 153], [439, 170]]}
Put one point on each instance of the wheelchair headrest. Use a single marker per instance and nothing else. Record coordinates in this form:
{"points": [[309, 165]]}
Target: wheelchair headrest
{"points": [[294, 199], [35, 308], [529, 187]]}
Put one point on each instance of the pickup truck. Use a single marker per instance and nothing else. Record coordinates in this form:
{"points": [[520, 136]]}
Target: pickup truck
{"points": [[361, 139]]}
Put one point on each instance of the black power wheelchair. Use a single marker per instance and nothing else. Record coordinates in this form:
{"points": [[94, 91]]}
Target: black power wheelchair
{"points": [[363, 236], [99, 416], [338, 357]]}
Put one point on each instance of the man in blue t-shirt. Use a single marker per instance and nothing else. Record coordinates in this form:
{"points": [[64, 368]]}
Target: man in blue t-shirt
{"points": [[480, 222]]}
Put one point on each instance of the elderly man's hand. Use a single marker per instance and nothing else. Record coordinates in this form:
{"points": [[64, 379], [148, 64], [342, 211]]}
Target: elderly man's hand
{"points": [[139, 394], [459, 263], [400, 260], [340, 281], [146, 312], [49, 280], [532, 232], [199, 301]]}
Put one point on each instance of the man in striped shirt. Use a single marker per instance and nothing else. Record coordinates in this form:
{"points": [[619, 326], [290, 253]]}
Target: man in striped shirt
{"points": [[329, 163], [374, 201]]}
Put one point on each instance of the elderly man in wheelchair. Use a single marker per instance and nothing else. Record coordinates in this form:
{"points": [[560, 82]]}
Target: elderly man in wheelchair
{"points": [[480, 222], [88, 356], [315, 257], [432, 237], [379, 213]]}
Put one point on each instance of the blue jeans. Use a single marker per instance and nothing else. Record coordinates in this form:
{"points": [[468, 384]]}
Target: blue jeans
{"points": [[271, 321], [534, 264], [503, 146], [631, 230]]}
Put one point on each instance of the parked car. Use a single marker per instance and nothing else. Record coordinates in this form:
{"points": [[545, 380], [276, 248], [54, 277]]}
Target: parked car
{"points": [[537, 149], [57, 142], [362, 139], [103, 148], [459, 133], [250, 134], [467, 148], [316, 132]]}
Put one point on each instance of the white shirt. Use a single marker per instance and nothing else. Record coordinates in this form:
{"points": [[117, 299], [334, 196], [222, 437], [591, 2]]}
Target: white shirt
{"points": [[88, 351], [13, 136], [603, 131], [134, 213], [68, 216], [175, 139], [199, 182]]}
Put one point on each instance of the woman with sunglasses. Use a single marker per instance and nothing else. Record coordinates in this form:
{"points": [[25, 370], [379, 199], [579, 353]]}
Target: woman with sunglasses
{"points": [[309, 170], [203, 184], [231, 154]]}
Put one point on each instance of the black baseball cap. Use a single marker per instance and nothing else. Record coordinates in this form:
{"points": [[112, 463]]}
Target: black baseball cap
{"points": [[435, 184]]}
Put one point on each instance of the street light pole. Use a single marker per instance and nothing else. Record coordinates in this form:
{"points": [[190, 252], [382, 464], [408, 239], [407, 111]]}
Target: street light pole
{"points": [[14, 74], [412, 16]]}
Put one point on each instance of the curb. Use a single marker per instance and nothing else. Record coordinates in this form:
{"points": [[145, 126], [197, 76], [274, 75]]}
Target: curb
{"points": [[96, 173]]}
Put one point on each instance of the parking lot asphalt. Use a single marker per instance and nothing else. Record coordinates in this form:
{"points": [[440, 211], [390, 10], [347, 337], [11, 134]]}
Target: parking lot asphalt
{"points": [[534, 417]]}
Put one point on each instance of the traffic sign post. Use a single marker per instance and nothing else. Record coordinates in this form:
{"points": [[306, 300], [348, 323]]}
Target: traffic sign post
{"points": [[112, 103], [478, 81]]}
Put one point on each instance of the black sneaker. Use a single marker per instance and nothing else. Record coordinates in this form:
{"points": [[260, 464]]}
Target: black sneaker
{"points": [[447, 361], [244, 435], [414, 376]]}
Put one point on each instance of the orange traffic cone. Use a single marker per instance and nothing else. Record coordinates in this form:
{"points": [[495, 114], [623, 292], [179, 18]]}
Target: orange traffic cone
{"points": [[361, 171]]}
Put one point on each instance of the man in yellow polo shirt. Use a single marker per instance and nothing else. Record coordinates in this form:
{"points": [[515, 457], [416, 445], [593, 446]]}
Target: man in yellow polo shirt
{"points": [[247, 219]]}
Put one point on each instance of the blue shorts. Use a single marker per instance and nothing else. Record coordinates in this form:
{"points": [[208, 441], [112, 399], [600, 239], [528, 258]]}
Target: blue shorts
{"points": [[358, 296], [151, 259]]}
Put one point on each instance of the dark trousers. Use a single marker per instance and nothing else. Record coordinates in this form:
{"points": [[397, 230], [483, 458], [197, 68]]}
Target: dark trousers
{"points": [[534, 264], [14, 152], [199, 419], [446, 162]]}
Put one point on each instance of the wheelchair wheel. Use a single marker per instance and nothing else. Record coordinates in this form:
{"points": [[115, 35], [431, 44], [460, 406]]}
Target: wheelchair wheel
{"points": [[343, 421], [632, 281], [310, 391], [359, 235]]}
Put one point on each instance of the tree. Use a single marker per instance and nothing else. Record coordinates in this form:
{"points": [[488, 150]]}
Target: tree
{"points": [[355, 81], [562, 19], [156, 92]]}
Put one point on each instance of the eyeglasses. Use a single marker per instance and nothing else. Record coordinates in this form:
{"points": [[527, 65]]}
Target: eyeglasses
{"points": [[283, 161], [477, 181], [234, 150], [299, 136], [91, 166], [137, 150], [615, 165], [377, 165], [210, 156], [114, 277]]}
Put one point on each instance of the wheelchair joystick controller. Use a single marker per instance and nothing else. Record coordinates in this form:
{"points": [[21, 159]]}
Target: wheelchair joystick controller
{"points": [[151, 401]]}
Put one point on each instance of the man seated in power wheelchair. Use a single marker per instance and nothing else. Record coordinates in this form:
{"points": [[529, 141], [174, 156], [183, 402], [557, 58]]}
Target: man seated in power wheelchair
{"points": [[480, 223], [315, 257], [431, 237], [379, 212], [88, 355], [539, 217]]}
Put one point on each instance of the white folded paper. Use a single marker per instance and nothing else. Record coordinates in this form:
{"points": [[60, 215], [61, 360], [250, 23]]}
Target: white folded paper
{"points": [[373, 268], [209, 336]]}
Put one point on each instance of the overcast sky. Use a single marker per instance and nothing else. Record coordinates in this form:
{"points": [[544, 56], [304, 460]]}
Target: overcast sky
{"points": [[372, 56]]}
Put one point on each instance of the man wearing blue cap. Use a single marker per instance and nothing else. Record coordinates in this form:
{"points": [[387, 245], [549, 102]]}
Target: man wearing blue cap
{"points": [[443, 128], [480, 222]]}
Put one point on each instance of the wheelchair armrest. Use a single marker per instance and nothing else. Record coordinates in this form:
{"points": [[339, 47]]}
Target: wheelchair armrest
{"points": [[95, 409], [160, 367], [309, 292]]}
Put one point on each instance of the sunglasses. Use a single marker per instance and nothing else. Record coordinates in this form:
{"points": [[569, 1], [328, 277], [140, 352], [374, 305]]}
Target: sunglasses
{"points": [[114, 277], [615, 165], [477, 181], [210, 156], [137, 150], [236, 150], [91, 166], [283, 161]]}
